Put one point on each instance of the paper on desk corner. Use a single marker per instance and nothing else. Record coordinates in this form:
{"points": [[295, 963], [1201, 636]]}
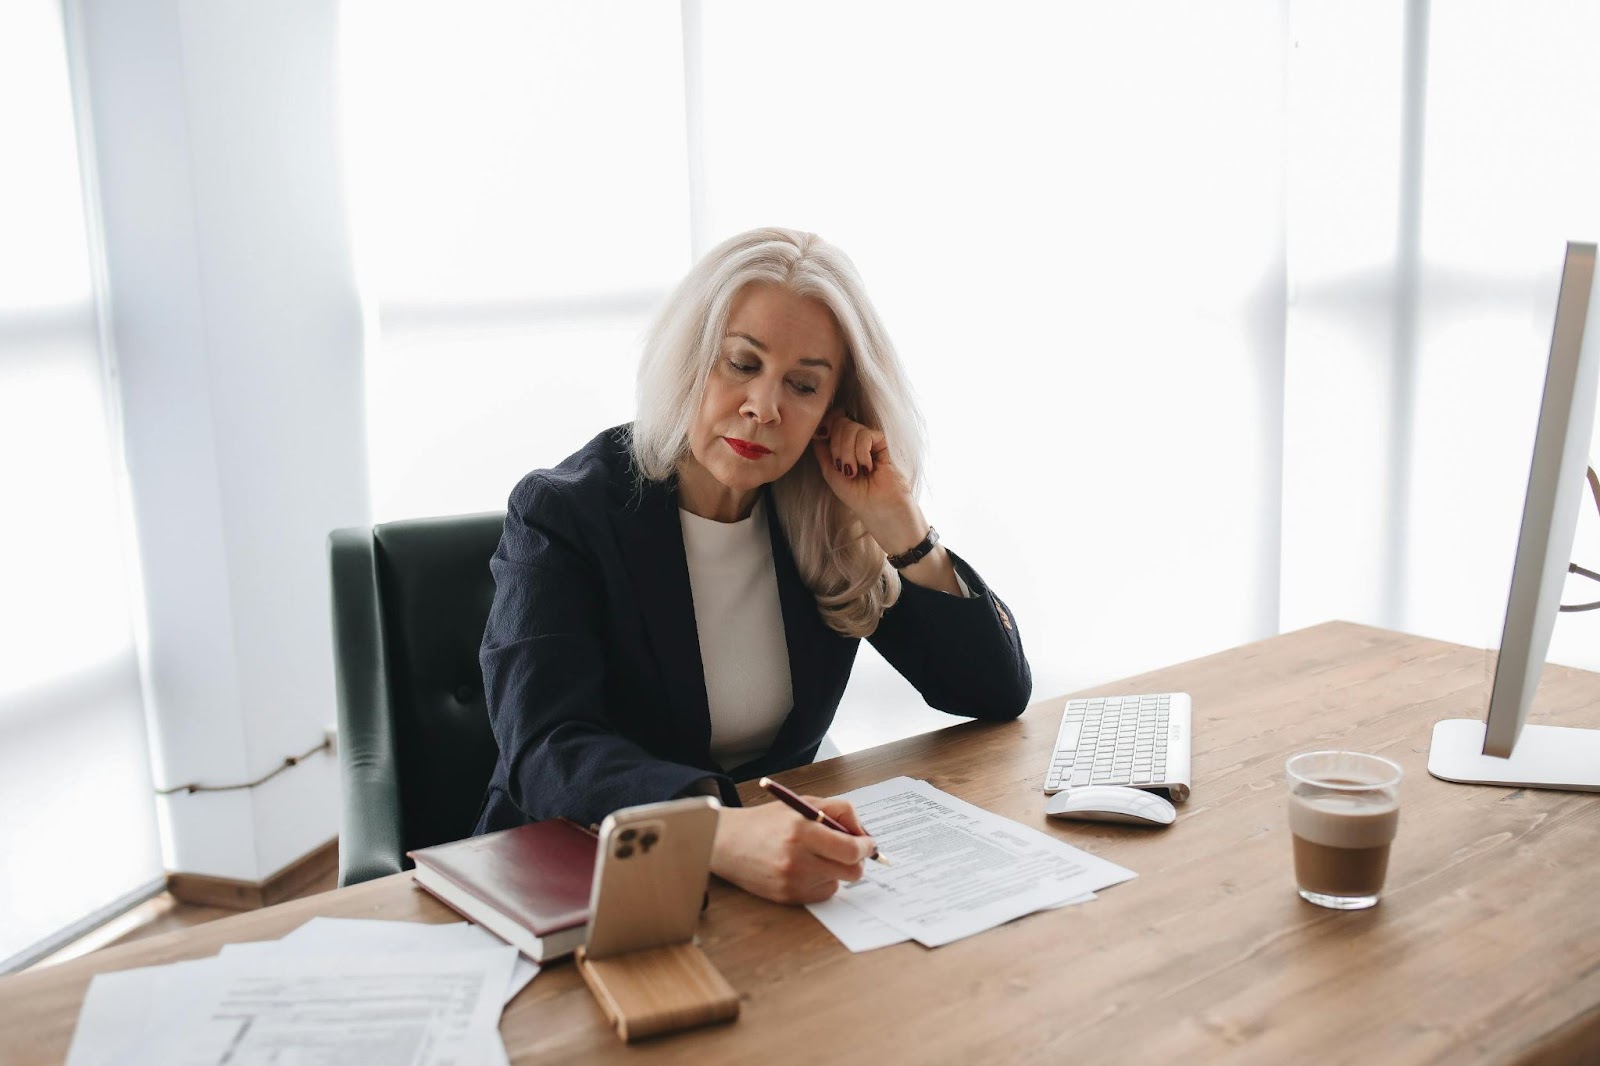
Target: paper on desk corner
{"points": [[859, 931], [854, 927], [378, 936], [258, 1005], [959, 869], [119, 1009]]}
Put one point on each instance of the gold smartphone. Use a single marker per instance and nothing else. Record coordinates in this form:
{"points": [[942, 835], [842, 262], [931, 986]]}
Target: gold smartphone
{"points": [[650, 880]]}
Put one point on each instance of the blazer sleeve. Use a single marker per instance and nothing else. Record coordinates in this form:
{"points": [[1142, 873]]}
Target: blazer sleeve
{"points": [[963, 655], [543, 670]]}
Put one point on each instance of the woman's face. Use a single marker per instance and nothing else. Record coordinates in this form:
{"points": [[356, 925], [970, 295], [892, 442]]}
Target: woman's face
{"points": [[775, 377]]}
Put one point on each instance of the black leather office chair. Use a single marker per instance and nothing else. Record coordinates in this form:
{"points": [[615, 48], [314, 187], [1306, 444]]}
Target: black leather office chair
{"points": [[410, 601]]}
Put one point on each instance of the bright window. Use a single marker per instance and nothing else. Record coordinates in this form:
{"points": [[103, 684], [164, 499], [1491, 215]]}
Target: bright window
{"points": [[79, 833], [519, 190]]}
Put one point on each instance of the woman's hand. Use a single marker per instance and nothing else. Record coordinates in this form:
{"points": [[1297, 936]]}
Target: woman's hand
{"points": [[857, 465], [774, 853]]}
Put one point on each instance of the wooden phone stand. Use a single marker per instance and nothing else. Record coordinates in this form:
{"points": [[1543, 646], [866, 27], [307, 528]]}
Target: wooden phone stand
{"points": [[659, 990]]}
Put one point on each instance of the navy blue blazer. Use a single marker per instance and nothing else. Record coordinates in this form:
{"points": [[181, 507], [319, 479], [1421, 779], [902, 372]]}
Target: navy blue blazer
{"points": [[591, 658]]}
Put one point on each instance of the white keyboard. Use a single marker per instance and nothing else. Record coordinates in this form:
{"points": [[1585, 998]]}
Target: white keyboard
{"points": [[1141, 741]]}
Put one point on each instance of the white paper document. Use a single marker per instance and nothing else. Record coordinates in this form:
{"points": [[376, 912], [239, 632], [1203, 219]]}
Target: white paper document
{"points": [[267, 1007], [258, 1004], [957, 869], [371, 936], [854, 927], [368, 937], [860, 931], [119, 1010]]}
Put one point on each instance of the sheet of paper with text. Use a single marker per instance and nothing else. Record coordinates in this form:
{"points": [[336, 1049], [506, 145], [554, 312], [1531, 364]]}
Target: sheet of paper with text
{"points": [[958, 869]]}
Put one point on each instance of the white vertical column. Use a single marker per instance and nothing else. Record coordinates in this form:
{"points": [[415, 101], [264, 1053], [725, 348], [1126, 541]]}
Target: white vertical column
{"points": [[1345, 422], [237, 340]]}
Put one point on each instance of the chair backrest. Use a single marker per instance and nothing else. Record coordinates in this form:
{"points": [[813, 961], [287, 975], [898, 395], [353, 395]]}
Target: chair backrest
{"points": [[410, 603]]}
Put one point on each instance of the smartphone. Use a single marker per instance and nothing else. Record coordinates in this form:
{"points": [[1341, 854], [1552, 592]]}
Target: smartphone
{"points": [[650, 878]]}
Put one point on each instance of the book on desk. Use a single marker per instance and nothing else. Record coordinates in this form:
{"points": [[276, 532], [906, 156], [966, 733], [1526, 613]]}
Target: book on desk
{"points": [[529, 885]]}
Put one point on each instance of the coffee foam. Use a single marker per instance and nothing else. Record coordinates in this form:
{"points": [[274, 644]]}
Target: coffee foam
{"points": [[1344, 820]]}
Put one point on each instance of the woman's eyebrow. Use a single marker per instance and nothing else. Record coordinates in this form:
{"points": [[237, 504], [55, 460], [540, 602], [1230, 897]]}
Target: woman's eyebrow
{"points": [[802, 362]]}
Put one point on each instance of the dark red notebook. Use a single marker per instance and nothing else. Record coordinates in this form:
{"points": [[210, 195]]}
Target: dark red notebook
{"points": [[529, 885]]}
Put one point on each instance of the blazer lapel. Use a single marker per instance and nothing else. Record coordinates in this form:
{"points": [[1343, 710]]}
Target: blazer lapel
{"points": [[650, 535]]}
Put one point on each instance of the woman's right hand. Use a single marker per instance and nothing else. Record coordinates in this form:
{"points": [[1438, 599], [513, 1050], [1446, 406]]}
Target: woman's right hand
{"points": [[774, 853]]}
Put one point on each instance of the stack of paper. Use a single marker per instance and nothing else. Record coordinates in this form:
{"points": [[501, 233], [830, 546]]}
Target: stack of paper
{"points": [[956, 870], [334, 990]]}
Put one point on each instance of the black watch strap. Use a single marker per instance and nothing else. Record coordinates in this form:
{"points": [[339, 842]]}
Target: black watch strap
{"points": [[906, 558]]}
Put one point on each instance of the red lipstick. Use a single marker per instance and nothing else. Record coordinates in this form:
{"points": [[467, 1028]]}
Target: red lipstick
{"points": [[747, 449]]}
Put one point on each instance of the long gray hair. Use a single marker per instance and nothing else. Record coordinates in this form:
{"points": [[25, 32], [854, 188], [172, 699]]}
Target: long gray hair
{"points": [[842, 566]]}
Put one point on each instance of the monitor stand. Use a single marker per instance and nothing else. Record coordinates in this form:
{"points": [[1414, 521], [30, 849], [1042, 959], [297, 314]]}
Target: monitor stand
{"points": [[1546, 756]]}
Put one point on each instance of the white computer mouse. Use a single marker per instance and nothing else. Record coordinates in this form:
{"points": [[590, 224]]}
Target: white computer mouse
{"points": [[1111, 803]]}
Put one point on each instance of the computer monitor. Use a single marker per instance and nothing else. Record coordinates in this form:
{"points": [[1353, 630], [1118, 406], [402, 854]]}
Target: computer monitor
{"points": [[1502, 750]]}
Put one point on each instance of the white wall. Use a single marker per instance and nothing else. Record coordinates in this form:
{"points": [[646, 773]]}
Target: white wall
{"points": [[1424, 262], [1512, 169], [237, 340], [1342, 411]]}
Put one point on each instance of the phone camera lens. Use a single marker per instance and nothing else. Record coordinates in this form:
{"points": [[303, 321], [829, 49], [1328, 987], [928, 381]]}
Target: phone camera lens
{"points": [[627, 834], [648, 841], [624, 851]]}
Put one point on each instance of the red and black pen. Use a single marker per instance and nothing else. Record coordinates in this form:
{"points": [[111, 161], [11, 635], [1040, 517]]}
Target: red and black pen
{"points": [[811, 814]]}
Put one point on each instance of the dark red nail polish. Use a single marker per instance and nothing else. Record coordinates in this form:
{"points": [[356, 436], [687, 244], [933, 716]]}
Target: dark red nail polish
{"points": [[849, 471], [837, 465]]}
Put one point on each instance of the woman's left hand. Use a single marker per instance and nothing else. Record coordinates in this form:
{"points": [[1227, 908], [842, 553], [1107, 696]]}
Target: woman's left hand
{"points": [[859, 468], [856, 463]]}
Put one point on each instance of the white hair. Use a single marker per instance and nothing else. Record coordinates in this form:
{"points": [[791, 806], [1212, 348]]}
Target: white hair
{"points": [[844, 568]]}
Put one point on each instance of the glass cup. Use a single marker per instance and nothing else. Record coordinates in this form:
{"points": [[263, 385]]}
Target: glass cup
{"points": [[1344, 808]]}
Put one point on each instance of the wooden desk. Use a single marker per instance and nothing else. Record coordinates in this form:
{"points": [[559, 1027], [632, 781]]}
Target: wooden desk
{"points": [[1486, 947]]}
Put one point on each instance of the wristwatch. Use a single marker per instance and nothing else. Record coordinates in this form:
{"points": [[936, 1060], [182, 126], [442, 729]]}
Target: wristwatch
{"points": [[906, 558]]}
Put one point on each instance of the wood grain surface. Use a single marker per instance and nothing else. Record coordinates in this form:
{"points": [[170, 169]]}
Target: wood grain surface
{"points": [[1486, 947], [659, 990]]}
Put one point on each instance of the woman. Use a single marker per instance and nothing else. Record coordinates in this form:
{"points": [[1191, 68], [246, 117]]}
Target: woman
{"points": [[678, 604]]}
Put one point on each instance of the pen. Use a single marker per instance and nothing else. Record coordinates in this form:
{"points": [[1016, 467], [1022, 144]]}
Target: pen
{"points": [[810, 813]]}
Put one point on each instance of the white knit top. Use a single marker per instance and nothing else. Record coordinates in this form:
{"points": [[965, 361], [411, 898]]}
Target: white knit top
{"points": [[740, 623]]}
